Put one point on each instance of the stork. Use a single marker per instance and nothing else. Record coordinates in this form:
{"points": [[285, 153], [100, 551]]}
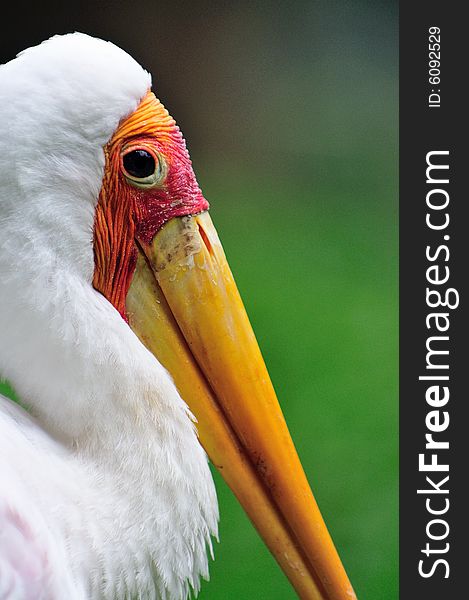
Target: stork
{"points": [[124, 335]]}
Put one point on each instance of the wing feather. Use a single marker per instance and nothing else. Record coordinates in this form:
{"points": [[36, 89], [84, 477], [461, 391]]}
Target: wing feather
{"points": [[31, 563]]}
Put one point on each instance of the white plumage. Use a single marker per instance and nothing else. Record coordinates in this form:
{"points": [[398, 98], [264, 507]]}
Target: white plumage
{"points": [[105, 492]]}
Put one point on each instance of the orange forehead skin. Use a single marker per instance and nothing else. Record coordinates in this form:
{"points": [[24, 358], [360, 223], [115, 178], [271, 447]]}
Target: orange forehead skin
{"points": [[126, 213], [150, 118]]}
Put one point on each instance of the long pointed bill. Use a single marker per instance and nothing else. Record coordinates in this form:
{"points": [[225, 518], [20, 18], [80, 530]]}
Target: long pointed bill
{"points": [[184, 305]]}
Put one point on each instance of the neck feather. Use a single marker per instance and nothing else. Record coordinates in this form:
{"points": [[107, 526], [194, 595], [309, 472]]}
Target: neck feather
{"points": [[139, 498]]}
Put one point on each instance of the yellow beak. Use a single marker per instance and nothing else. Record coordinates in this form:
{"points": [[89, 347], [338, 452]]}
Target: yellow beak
{"points": [[184, 305]]}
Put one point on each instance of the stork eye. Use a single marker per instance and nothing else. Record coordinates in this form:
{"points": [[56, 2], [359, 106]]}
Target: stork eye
{"points": [[142, 167], [139, 163]]}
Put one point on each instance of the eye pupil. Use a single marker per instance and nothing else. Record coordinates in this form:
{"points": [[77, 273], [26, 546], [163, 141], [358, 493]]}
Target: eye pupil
{"points": [[139, 163]]}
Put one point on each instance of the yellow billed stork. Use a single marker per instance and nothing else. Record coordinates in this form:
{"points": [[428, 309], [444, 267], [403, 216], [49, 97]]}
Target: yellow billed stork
{"points": [[120, 320]]}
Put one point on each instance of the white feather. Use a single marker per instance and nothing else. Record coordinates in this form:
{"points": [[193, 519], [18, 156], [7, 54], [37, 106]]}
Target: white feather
{"points": [[106, 487]]}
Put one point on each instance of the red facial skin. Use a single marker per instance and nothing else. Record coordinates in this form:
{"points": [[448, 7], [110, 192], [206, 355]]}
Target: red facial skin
{"points": [[180, 194], [127, 214]]}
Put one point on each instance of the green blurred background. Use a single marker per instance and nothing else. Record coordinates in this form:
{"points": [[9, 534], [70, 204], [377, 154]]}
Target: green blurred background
{"points": [[290, 113]]}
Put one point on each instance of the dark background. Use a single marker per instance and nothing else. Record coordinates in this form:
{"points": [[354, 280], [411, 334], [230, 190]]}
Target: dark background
{"points": [[423, 129], [290, 113]]}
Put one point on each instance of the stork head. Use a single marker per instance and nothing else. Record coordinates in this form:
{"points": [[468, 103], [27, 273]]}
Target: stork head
{"points": [[96, 177], [148, 180]]}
